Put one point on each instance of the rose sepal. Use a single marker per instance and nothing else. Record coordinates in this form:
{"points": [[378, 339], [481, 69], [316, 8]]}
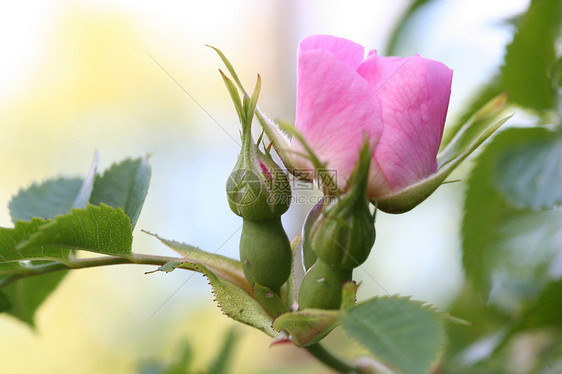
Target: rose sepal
{"points": [[343, 234], [257, 188], [278, 138], [468, 138]]}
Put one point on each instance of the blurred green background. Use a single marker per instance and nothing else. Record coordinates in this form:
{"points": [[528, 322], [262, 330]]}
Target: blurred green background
{"points": [[81, 76]]}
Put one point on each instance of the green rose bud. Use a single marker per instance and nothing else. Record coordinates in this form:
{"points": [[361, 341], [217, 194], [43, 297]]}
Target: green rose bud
{"points": [[308, 255], [257, 188], [321, 287], [259, 192], [343, 234], [265, 253]]}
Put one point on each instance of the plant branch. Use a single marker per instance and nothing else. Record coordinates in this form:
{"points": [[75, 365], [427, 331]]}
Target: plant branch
{"points": [[84, 263], [320, 353]]}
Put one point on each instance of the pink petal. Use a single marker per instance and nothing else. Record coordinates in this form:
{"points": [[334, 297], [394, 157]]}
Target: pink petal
{"points": [[335, 107], [414, 96], [348, 52]]}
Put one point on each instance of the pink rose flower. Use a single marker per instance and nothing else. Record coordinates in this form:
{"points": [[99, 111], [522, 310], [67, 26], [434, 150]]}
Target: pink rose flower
{"points": [[401, 103]]}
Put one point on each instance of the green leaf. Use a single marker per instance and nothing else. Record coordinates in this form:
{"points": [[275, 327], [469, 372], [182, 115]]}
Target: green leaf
{"points": [[4, 303], [530, 175], [307, 326], [10, 239], [472, 306], [237, 303], [124, 185], [401, 26], [100, 229], [168, 267], [182, 361], [546, 310], [53, 197], [506, 250], [85, 192], [223, 267], [527, 73], [10, 268], [232, 290], [220, 364], [23, 297], [399, 332], [530, 57], [46, 200]]}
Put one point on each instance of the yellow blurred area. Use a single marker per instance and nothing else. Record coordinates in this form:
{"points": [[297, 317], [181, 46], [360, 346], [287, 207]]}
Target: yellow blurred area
{"points": [[95, 86], [104, 79], [90, 88]]}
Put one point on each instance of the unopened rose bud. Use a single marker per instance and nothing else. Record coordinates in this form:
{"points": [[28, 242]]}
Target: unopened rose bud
{"points": [[257, 188], [308, 255], [265, 253], [259, 192], [344, 233], [321, 287]]}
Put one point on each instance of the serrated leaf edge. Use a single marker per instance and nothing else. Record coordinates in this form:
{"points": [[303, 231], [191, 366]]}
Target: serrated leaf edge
{"points": [[54, 221], [422, 304], [211, 277]]}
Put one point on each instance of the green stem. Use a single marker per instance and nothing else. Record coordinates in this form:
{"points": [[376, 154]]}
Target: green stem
{"points": [[329, 360], [86, 263], [316, 350]]}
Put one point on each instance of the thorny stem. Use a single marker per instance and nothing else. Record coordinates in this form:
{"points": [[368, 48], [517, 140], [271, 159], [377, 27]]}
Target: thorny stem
{"points": [[84, 263]]}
